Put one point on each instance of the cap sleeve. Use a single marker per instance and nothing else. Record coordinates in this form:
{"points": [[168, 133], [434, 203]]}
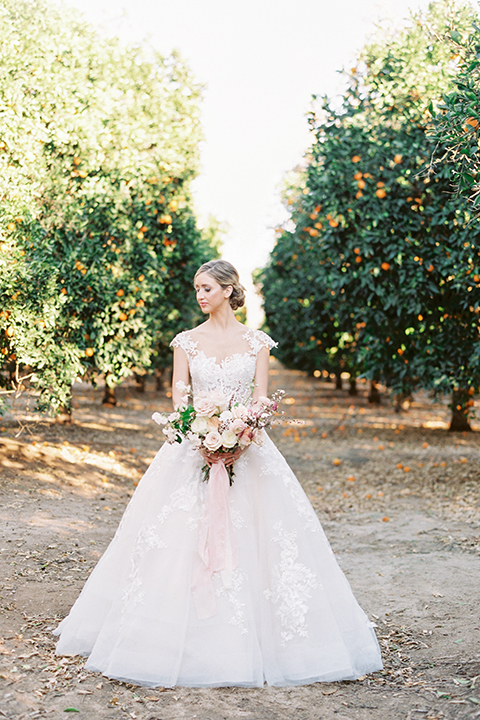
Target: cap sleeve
{"points": [[183, 340], [261, 339]]}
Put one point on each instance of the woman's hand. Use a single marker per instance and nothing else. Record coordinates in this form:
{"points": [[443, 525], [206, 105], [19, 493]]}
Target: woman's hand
{"points": [[228, 458]]}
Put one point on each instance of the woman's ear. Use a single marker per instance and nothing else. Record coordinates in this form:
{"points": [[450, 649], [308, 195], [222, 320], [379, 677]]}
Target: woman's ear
{"points": [[228, 291]]}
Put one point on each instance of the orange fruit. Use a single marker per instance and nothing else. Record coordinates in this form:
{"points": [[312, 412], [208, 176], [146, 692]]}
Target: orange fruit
{"points": [[123, 316], [141, 278], [356, 158], [359, 195], [10, 331], [337, 461], [398, 159], [385, 266], [358, 259], [119, 293], [11, 226], [399, 466], [358, 176], [89, 352], [406, 469], [332, 223], [356, 251], [63, 291], [380, 184], [380, 193], [385, 519], [351, 478], [425, 445], [361, 184]]}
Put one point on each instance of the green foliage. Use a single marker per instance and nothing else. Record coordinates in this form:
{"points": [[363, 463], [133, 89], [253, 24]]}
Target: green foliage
{"points": [[379, 267], [457, 121], [98, 241]]}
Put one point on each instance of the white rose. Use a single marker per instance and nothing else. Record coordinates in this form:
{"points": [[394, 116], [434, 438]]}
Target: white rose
{"points": [[159, 419], [204, 407], [212, 441], [173, 416], [199, 425], [226, 415], [229, 439]]}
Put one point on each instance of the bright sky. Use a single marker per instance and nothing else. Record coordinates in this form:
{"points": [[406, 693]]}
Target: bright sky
{"points": [[260, 60]]}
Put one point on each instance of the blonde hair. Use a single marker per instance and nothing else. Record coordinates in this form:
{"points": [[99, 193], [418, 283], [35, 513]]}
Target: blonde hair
{"points": [[226, 275]]}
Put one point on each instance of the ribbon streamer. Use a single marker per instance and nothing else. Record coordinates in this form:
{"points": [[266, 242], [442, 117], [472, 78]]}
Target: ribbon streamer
{"points": [[215, 543]]}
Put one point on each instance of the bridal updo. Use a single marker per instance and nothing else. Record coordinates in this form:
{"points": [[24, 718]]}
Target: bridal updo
{"points": [[226, 276]]}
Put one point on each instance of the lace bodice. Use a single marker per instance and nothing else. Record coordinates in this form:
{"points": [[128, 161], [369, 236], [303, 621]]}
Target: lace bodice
{"points": [[234, 375]]}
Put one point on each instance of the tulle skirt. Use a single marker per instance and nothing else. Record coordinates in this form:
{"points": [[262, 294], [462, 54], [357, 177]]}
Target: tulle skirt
{"points": [[285, 614]]}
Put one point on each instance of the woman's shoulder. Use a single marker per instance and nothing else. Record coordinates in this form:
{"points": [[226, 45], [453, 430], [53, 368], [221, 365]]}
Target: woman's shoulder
{"points": [[259, 339], [188, 339]]}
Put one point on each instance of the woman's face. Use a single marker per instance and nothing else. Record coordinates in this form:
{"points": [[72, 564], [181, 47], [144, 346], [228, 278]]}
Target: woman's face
{"points": [[210, 295]]}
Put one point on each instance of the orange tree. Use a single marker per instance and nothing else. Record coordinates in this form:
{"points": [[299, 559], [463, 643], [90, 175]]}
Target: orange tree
{"points": [[98, 145], [457, 121], [395, 261]]}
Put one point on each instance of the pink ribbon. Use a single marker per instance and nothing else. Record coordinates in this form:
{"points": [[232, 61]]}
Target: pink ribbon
{"points": [[215, 543]]}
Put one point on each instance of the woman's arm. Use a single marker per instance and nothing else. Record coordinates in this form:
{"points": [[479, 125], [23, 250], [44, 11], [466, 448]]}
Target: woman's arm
{"points": [[261, 374], [180, 372]]}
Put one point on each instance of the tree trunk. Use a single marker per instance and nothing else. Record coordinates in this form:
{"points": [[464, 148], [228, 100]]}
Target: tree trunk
{"points": [[109, 398], [140, 381], [159, 378], [374, 394], [460, 409], [353, 386], [401, 400], [65, 415], [338, 380]]}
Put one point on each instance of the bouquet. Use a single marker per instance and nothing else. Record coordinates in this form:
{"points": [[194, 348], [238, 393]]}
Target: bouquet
{"points": [[217, 424]]}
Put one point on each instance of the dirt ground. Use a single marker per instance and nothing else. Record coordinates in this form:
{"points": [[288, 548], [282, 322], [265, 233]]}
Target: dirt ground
{"points": [[398, 496]]}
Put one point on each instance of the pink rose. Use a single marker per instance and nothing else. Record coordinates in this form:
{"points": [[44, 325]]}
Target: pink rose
{"points": [[204, 407], [218, 399], [213, 423], [237, 426], [245, 438], [212, 441], [239, 411], [257, 437]]}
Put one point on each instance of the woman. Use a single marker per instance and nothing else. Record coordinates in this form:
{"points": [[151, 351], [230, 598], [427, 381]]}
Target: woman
{"points": [[279, 610]]}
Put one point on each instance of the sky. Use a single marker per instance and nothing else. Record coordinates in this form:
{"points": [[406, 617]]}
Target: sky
{"points": [[260, 62]]}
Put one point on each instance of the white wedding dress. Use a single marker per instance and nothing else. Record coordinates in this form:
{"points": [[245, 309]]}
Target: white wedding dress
{"points": [[286, 614]]}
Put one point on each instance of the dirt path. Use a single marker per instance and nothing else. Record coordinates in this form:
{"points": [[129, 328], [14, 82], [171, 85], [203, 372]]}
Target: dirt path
{"points": [[408, 540]]}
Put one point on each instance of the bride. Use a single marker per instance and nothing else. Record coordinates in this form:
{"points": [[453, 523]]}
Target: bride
{"points": [[282, 613]]}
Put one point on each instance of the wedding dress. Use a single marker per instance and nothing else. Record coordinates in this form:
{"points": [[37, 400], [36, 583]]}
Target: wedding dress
{"points": [[284, 615]]}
